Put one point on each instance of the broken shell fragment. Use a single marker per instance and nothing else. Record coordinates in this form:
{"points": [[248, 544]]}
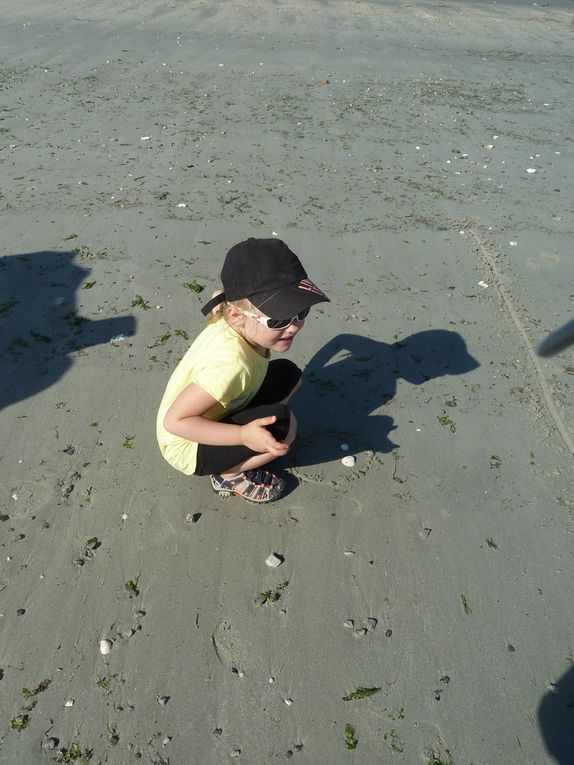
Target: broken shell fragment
{"points": [[105, 646], [274, 560]]}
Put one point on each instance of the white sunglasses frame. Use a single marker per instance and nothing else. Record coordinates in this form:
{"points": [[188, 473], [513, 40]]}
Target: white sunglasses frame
{"points": [[264, 319]]}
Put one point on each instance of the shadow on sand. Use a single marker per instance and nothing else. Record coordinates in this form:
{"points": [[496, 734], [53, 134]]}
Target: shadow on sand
{"points": [[39, 323], [352, 376], [556, 719]]}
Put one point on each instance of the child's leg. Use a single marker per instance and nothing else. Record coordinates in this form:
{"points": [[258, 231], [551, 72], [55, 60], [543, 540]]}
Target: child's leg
{"points": [[228, 459], [258, 460], [283, 378]]}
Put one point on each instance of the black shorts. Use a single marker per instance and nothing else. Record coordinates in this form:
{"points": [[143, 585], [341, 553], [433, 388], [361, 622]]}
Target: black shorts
{"points": [[282, 376]]}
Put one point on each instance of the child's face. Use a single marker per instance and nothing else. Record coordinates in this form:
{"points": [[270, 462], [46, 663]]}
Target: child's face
{"points": [[262, 338]]}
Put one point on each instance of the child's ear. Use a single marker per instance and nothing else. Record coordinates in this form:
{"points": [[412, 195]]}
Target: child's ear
{"points": [[233, 312]]}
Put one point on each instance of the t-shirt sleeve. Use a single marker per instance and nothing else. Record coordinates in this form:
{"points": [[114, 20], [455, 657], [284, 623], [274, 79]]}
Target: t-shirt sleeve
{"points": [[224, 380]]}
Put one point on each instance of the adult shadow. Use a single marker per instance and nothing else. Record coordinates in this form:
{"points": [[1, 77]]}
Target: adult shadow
{"points": [[556, 719], [39, 322], [353, 376]]}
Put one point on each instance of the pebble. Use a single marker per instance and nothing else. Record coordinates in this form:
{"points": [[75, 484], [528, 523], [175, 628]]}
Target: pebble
{"points": [[105, 646], [360, 632], [372, 622], [270, 680], [50, 743], [274, 560], [235, 752], [349, 461], [162, 700], [125, 516], [349, 623], [217, 732], [69, 703], [241, 673], [388, 633], [21, 611], [288, 702]]}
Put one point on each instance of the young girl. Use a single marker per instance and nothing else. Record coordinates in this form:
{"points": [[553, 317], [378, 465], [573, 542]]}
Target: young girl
{"points": [[224, 412]]}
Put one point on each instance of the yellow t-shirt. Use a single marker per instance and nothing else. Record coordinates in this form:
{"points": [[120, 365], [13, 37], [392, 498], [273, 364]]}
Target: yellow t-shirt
{"points": [[222, 363]]}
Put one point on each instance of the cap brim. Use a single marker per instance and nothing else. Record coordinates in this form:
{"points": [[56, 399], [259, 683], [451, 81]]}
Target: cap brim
{"points": [[290, 300]]}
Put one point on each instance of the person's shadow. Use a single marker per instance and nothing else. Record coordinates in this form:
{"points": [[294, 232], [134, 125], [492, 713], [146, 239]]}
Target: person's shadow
{"points": [[39, 323], [556, 719], [352, 376]]}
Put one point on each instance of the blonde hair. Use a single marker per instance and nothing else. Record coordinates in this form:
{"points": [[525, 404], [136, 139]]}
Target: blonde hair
{"points": [[221, 312]]}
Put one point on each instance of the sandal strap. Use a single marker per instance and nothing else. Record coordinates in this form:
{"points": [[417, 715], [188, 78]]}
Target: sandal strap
{"points": [[255, 485]]}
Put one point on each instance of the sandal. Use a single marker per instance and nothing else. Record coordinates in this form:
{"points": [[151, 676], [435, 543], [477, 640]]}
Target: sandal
{"points": [[252, 485]]}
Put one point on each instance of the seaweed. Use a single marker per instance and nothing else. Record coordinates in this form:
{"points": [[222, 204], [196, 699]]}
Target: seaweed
{"points": [[361, 693]]}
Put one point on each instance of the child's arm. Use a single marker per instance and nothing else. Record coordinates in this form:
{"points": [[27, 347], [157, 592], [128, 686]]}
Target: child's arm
{"points": [[185, 419]]}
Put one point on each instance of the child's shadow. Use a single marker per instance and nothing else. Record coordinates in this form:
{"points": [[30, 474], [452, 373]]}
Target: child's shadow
{"points": [[40, 326], [556, 719], [352, 376]]}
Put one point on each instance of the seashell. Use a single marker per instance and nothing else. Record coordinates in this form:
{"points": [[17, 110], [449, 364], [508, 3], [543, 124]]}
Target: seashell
{"points": [[288, 702], [530, 170], [274, 560], [349, 461], [105, 646], [69, 703]]}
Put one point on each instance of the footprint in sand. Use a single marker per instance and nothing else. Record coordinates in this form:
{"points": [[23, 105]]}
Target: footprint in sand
{"points": [[226, 646]]}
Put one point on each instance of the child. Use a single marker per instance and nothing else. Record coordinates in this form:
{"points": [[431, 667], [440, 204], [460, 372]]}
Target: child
{"points": [[224, 412]]}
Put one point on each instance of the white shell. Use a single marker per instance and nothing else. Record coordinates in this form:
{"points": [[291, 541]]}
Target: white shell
{"points": [[69, 703], [274, 560], [105, 646], [288, 702], [530, 170], [349, 461]]}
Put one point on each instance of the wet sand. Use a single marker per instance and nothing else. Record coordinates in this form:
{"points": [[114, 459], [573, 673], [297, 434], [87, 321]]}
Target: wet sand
{"points": [[389, 145]]}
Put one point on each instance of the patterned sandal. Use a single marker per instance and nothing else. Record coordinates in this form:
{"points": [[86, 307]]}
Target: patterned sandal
{"points": [[252, 485]]}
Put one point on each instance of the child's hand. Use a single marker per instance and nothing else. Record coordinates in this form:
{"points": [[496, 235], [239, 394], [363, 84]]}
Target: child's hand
{"points": [[255, 436]]}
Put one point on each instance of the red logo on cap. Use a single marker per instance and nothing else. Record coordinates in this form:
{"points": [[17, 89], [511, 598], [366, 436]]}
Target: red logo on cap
{"points": [[308, 286]]}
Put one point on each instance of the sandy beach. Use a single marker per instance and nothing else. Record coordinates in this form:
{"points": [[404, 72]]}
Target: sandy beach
{"points": [[420, 160]]}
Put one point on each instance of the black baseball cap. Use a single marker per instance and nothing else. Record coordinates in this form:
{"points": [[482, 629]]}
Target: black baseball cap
{"points": [[270, 275]]}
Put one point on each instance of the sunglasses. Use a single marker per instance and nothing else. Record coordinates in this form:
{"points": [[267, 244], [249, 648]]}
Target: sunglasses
{"points": [[276, 323]]}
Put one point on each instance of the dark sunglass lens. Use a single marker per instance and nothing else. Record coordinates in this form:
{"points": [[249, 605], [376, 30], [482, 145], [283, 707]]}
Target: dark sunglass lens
{"points": [[278, 323], [303, 314]]}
